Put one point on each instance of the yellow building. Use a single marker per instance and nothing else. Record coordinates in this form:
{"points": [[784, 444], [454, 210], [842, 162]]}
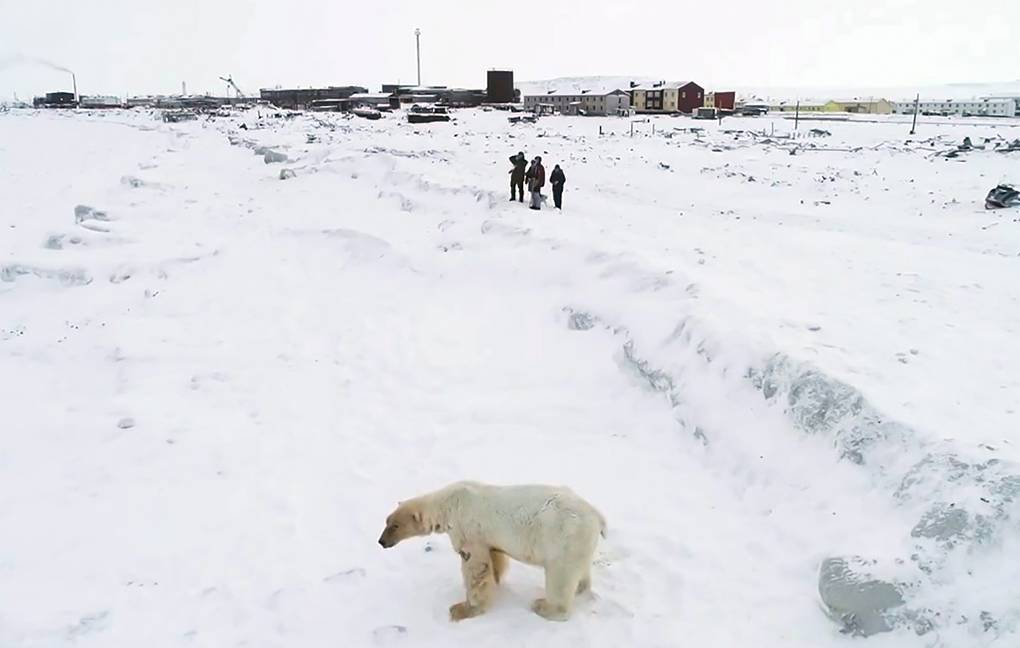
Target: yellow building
{"points": [[667, 98], [805, 106], [866, 105]]}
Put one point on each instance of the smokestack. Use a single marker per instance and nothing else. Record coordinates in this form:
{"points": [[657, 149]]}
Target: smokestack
{"points": [[74, 84], [184, 88]]}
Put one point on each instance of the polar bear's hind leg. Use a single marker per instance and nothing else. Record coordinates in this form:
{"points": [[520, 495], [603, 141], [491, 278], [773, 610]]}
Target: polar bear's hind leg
{"points": [[561, 583]]}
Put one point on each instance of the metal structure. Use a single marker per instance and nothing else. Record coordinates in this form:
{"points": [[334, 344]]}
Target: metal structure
{"points": [[417, 47], [917, 103], [230, 81]]}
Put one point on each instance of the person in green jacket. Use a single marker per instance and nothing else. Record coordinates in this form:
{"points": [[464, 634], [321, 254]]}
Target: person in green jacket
{"points": [[517, 176]]}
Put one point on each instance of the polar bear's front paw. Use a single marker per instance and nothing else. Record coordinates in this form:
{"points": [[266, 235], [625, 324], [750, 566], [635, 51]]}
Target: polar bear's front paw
{"points": [[550, 611], [461, 611]]}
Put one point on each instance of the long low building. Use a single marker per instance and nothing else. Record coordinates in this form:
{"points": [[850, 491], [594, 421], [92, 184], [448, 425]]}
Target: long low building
{"points": [[583, 102], [860, 105], [99, 101], [988, 107], [297, 98], [804, 106], [375, 100]]}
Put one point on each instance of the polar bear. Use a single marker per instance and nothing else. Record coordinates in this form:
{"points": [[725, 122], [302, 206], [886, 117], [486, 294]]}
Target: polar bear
{"points": [[546, 526]]}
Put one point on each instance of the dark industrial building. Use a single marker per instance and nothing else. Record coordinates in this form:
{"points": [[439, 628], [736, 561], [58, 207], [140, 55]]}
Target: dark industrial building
{"points": [[331, 105], [297, 98], [460, 98], [454, 97], [383, 100], [499, 86], [403, 90], [55, 100]]}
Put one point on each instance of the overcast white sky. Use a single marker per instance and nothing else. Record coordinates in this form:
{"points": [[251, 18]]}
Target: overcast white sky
{"points": [[150, 46]]}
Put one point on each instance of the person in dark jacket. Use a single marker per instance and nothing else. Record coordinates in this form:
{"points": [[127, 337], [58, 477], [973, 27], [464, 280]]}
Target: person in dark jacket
{"points": [[517, 176], [557, 180], [536, 180]]}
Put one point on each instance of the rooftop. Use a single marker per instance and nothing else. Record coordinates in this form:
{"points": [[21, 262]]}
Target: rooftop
{"points": [[858, 100], [347, 87], [594, 92], [672, 85]]}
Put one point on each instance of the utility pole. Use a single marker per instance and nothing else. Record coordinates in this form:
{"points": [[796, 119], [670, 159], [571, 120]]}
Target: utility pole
{"points": [[796, 116], [417, 47], [917, 103]]}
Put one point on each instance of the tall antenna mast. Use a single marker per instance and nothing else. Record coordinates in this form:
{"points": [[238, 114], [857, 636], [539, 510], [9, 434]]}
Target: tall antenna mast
{"points": [[417, 47]]}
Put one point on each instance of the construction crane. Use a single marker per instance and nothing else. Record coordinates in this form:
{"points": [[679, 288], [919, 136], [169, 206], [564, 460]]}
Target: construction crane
{"points": [[230, 80]]}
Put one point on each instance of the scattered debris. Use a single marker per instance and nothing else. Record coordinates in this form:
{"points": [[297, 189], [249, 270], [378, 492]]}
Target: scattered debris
{"points": [[174, 116], [1002, 196], [273, 157], [367, 113], [426, 118]]}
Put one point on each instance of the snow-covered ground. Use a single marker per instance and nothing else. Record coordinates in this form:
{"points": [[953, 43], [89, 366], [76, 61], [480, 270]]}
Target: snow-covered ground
{"points": [[753, 350]]}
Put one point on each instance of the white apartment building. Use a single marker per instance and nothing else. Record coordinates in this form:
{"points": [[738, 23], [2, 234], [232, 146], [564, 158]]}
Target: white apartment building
{"points": [[984, 107], [584, 102]]}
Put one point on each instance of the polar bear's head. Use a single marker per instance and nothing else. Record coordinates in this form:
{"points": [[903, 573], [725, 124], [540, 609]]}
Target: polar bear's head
{"points": [[405, 522]]}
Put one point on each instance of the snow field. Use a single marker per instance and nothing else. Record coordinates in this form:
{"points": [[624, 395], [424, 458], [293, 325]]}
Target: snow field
{"points": [[212, 418]]}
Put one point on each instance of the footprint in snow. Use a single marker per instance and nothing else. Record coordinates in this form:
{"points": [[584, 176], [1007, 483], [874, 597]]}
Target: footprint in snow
{"points": [[608, 608], [346, 575], [385, 635], [89, 624]]}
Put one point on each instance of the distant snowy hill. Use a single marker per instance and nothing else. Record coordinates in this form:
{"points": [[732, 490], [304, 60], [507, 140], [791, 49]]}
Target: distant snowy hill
{"points": [[946, 91]]}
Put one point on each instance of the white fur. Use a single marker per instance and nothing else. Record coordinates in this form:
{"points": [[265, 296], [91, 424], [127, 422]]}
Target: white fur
{"points": [[547, 526]]}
